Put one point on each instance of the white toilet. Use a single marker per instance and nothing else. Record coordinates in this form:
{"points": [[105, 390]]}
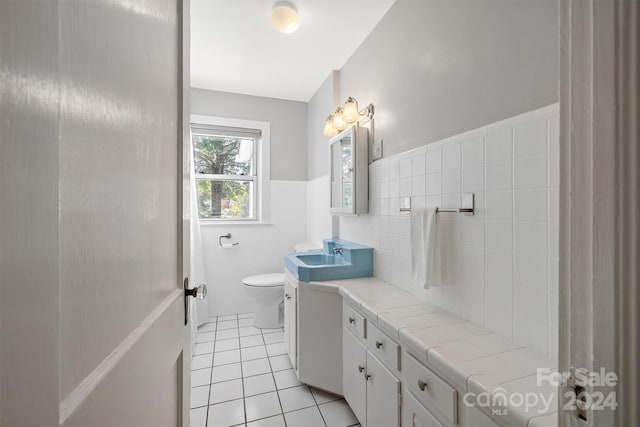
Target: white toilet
{"points": [[268, 291]]}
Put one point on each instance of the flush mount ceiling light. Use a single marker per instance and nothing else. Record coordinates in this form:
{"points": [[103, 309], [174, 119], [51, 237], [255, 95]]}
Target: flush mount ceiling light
{"points": [[344, 116], [284, 17]]}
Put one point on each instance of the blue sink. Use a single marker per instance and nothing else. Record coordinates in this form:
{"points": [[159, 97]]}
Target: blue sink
{"points": [[347, 261], [321, 259]]}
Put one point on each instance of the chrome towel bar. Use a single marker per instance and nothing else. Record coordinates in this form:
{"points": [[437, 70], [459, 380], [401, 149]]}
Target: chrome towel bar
{"points": [[467, 208]]}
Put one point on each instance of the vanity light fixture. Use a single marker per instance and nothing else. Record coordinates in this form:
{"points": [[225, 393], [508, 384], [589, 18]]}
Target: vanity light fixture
{"points": [[338, 120], [284, 17], [344, 116]]}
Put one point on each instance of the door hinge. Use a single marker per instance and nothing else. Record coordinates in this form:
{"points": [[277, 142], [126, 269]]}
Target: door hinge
{"points": [[579, 392], [400, 400]]}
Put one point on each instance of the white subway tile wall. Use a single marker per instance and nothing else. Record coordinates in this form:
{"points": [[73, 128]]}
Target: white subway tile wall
{"points": [[500, 266]]}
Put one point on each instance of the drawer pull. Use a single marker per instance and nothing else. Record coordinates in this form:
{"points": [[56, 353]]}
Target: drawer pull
{"points": [[378, 344], [422, 385], [352, 320], [360, 368]]}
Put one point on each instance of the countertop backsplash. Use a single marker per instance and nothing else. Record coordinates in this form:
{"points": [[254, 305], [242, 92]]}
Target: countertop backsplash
{"points": [[500, 266]]}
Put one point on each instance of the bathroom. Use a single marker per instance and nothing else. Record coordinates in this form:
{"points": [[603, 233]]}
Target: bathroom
{"points": [[469, 113], [345, 213]]}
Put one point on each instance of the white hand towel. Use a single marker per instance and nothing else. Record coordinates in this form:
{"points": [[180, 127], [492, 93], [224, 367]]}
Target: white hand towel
{"points": [[425, 248]]}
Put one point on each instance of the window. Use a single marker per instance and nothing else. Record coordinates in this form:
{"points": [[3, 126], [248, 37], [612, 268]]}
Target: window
{"points": [[226, 171]]}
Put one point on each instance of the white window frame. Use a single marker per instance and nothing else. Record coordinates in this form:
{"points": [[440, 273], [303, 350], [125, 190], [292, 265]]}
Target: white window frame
{"points": [[263, 165]]}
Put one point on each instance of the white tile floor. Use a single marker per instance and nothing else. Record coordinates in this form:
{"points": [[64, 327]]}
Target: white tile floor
{"points": [[241, 376]]}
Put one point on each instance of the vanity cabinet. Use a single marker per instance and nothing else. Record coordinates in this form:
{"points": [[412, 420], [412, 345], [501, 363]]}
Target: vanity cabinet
{"points": [[291, 321], [370, 388], [313, 333]]}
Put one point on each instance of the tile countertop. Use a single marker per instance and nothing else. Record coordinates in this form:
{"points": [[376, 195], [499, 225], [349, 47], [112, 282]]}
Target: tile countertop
{"points": [[470, 357]]}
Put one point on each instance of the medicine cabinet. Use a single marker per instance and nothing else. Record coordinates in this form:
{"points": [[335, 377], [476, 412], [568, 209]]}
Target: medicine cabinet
{"points": [[349, 179]]}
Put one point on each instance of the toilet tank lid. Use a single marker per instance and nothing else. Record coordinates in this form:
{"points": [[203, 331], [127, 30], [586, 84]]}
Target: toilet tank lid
{"points": [[307, 247], [272, 279]]}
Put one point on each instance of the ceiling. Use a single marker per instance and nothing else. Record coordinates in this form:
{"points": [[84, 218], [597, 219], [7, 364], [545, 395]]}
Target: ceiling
{"points": [[235, 49]]}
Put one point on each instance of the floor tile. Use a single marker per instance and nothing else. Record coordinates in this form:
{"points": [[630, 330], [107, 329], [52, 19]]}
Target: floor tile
{"points": [[295, 398], [262, 406], [286, 379], [277, 421], [199, 396], [338, 414], [205, 336], [246, 331], [226, 372], [227, 334], [207, 327], [275, 337], [322, 396], [198, 417], [276, 349], [246, 322], [227, 324], [226, 357], [229, 317], [257, 352], [201, 361], [203, 348], [309, 417], [251, 341], [227, 390], [259, 384], [200, 377], [226, 414], [255, 367], [224, 345], [280, 363]]}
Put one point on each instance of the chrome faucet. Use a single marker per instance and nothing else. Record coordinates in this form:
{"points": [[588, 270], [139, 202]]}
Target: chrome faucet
{"points": [[337, 250]]}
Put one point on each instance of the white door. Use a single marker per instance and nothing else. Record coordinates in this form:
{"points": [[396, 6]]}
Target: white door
{"points": [[92, 326], [354, 364], [383, 395]]}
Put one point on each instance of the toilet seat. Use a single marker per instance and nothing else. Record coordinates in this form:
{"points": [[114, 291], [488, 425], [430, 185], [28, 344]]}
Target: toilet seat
{"points": [[265, 280]]}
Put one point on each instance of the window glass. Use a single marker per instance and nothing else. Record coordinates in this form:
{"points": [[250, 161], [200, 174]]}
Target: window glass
{"points": [[225, 172]]}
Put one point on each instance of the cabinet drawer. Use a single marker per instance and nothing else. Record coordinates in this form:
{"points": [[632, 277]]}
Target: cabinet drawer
{"points": [[354, 322], [431, 390], [383, 347], [416, 415]]}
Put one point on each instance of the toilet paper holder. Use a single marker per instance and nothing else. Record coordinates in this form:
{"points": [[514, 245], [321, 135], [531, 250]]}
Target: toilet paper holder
{"points": [[226, 236]]}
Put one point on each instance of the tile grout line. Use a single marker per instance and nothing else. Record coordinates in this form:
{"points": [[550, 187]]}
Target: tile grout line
{"points": [[313, 396], [213, 352], [272, 372], [244, 405], [274, 379]]}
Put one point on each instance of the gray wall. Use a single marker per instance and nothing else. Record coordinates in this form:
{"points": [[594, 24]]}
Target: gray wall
{"points": [[440, 67], [288, 126], [321, 104]]}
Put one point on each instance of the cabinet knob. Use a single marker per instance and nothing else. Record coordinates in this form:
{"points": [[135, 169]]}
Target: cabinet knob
{"points": [[360, 368], [378, 344], [287, 296], [352, 320], [422, 385], [367, 376]]}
